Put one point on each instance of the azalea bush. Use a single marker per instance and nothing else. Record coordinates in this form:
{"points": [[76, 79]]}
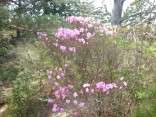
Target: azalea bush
{"points": [[100, 70], [88, 63]]}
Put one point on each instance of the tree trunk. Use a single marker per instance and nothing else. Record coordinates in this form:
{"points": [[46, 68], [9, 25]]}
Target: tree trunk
{"points": [[117, 12], [19, 13]]}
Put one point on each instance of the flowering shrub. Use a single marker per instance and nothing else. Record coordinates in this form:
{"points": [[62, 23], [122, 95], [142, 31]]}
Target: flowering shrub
{"points": [[65, 93], [93, 59]]}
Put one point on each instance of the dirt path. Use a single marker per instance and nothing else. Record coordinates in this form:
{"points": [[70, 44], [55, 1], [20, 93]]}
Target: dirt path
{"points": [[4, 89], [3, 109]]}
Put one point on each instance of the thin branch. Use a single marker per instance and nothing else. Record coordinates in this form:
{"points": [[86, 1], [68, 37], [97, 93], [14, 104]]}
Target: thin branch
{"points": [[135, 14], [27, 30], [129, 23], [105, 7]]}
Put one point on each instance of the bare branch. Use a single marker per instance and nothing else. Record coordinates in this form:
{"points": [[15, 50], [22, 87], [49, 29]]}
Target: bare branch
{"points": [[138, 13], [27, 30], [105, 7], [130, 23]]}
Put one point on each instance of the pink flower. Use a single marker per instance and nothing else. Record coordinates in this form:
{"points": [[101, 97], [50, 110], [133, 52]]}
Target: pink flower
{"points": [[66, 65], [122, 78], [55, 108], [49, 72], [72, 49], [83, 41], [60, 69], [81, 104], [92, 90], [75, 114], [61, 109], [114, 85], [109, 86], [56, 83], [70, 86], [57, 94], [63, 96], [55, 44], [90, 25], [100, 85], [81, 29], [75, 102], [75, 94], [63, 48], [49, 76], [86, 85], [77, 32], [62, 74], [89, 35], [87, 90], [67, 101], [58, 77], [50, 100], [104, 89]]}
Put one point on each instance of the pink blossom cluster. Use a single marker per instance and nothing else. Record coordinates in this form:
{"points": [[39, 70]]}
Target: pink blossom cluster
{"points": [[101, 87], [84, 32], [65, 48], [89, 22], [43, 36], [87, 29], [78, 20], [60, 73], [64, 93], [81, 35], [65, 33]]}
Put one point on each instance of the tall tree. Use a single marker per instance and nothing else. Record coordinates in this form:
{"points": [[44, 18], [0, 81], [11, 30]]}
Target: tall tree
{"points": [[117, 12]]}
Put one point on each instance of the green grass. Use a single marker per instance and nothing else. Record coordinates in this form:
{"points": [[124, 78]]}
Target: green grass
{"points": [[8, 73]]}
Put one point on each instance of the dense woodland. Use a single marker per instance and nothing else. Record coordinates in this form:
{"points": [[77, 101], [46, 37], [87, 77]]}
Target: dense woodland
{"points": [[68, 58]]}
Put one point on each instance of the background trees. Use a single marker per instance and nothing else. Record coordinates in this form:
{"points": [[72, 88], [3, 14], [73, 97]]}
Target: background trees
{"points": [[139, 12]]}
